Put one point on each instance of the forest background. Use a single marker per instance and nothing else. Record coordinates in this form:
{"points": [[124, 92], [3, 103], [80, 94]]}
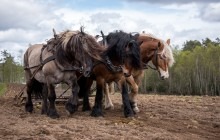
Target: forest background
{"points": [[196, 71]]}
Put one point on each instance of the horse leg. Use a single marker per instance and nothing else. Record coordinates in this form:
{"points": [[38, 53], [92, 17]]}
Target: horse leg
{"points": [[97, 109], [44, 108], [134, 92], [86, 105], [111, 88], [128, 112], [72, 103], [52, 97], [29, 103], [107, 100]]}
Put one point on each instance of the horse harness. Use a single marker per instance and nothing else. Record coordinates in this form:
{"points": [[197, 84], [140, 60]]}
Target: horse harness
{"points": [[53, 57], [107, 62], [146, 65], [109, 65]]}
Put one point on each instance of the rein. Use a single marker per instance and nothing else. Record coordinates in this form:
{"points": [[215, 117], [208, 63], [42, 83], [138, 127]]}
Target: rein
{"points": [[155, 55], [112, 67], [50, 58], [42, 62], [109, 65]]}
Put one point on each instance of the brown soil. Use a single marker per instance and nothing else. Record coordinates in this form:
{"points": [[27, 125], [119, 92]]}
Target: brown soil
{"points": [[161, 118]]}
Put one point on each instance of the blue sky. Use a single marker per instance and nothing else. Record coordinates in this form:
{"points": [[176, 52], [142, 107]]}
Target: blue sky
{"points": [[31, 21]]}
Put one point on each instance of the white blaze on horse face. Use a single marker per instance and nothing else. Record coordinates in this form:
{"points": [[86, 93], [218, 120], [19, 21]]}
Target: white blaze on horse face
{"points": [[163, 74]]}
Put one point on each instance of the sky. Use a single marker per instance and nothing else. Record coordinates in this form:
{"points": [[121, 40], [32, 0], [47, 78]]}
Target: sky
{"points": [[25, 22]]}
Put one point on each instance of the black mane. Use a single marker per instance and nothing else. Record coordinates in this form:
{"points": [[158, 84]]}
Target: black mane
{"points": [[117, 47]]}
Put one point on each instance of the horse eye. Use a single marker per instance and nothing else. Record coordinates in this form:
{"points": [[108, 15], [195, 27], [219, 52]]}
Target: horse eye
{"points": [[163, 56]]}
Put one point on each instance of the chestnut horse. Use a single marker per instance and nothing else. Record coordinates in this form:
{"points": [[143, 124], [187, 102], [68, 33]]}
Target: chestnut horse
{"points": [[121, 58], [152, 49], [63, 59]]}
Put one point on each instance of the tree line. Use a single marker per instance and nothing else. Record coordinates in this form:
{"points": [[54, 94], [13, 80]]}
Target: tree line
{"points": [[10, 70], [196, 71]]}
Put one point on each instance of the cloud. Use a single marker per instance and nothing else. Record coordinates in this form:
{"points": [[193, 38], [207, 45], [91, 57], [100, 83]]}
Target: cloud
{"points": [[174, 1], [207, 10], [210, 12], [21, 14], [30, 21]]}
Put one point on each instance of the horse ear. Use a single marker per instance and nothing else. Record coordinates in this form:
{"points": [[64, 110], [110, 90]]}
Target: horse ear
{"points": [[97, 37], [168, 41], [129, 46]]}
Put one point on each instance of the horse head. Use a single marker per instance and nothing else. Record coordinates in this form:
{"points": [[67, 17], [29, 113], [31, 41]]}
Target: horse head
{"points": [[124, 50], [159, 52]]}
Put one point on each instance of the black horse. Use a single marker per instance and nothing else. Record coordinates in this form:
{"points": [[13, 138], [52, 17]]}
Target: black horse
{"points": [[121, 58]]}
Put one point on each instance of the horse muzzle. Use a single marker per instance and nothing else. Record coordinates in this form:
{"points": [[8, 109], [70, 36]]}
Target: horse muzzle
{"points": [[163, 74], [127, 74]]}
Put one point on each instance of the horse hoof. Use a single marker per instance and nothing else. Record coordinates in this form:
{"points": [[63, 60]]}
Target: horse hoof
{"points": [[29, 107], [129, 115], [96, 112], [136, 109], [53, 114], [86, 108], [109, 107], [43, 112], [71, 108], [128, 112]]}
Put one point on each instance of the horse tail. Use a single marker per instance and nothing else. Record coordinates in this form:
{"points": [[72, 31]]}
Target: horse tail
{"points": [[37, 88]]}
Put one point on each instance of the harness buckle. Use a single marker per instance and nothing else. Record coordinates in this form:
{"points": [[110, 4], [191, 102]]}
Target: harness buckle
{"points": [[81, 69]]}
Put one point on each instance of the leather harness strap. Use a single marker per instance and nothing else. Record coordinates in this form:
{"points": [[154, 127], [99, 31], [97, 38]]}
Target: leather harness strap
{"points": [[109, 65]]}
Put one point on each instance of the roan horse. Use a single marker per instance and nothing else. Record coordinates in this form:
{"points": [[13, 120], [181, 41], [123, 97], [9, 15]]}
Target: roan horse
{"points": [[152, 49], [121, 58], [63, 59]]}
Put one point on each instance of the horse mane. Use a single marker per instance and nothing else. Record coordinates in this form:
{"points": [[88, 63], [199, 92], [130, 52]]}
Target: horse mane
{"points": [[167, 51], [117, 42], [76, 46]]}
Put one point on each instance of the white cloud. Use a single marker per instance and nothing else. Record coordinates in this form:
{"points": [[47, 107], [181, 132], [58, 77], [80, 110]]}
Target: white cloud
{"points": [[211, 12], [32, 22], [21, 14]]}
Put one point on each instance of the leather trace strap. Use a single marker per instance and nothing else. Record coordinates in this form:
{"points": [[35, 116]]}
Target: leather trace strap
{"points": [[112, 67], [109, 65], [73, 68]]}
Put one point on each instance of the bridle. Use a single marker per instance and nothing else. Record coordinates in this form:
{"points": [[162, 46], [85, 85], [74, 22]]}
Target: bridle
{"points": [[156, 53]]}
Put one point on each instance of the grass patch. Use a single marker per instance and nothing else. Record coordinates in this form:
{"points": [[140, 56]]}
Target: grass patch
{"points": [[3, 88]]}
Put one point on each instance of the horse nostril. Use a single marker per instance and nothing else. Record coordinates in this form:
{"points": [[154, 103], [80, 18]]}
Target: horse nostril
{"points": [[162, 77], [127, 75]]}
